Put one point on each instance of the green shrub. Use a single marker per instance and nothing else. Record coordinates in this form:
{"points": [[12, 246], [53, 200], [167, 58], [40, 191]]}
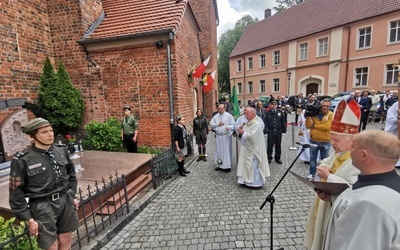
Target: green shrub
{"points": [[59, 99], [104, 136], [8, 230], [148, 150]]}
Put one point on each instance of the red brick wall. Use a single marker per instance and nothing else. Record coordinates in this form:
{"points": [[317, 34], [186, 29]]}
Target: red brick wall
{"points": [[25, 42], [136, 75], [206, 17]]}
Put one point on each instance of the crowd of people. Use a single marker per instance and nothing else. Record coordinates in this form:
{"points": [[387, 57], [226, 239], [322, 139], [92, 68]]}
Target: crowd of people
{"points": [[365, 216], [334, 221]]}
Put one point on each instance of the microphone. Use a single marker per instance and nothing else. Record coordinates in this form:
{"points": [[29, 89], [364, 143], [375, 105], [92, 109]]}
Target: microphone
{"points": [[308, 145]]}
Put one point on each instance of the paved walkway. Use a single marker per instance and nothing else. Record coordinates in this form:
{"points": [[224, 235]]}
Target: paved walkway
{"points": [[209, 210]]}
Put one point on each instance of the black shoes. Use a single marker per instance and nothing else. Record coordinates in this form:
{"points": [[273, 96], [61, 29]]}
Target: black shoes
{"points": [[269, 161], [226, 170], [199, 158], [204, 158], [278, 161], [306, 162], [186, 171], [182, 174]]}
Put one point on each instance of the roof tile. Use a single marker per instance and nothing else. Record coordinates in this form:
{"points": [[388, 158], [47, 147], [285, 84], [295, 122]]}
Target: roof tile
{"points": [[307, 18], [128, 17]]}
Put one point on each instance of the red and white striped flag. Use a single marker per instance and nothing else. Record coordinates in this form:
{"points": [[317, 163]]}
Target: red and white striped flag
{"points": [[200, 70], [208, 81]]}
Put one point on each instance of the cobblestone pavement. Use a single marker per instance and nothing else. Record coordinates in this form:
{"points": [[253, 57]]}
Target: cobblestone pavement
{"points": [[209, 210]]}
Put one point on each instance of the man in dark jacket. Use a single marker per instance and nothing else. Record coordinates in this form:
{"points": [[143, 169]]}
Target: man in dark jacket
{"points": [[275, 124], [46, 175], [200, 131]]}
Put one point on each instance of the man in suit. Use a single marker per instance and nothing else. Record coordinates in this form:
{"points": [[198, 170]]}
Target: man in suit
{"points": [[365, 104]]}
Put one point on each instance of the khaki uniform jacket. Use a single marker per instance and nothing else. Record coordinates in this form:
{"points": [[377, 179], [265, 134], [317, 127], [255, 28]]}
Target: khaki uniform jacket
{"points": [[32, 176]]}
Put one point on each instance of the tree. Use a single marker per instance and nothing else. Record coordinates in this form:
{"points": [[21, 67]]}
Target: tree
{"points": [[227, 43], [61, 101], [285, 4]]}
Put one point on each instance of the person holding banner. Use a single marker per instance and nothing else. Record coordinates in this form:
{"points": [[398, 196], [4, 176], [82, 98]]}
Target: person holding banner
{"points": [[337, 168]]}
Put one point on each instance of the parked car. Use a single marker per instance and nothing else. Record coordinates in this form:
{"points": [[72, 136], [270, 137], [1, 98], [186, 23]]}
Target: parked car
{"points": [[335, 101]]}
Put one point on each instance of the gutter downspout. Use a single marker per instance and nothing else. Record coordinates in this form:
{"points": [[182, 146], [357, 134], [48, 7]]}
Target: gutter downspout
{"points": [[171, 98], [346, 73]]}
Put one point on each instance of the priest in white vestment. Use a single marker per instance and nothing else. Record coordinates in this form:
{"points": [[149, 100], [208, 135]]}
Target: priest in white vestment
{"points": [[367, 215], [223, 124], [252, 167], [337, 168], [243, 120]]}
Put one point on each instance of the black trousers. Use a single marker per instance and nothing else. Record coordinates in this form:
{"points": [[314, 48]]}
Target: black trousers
{"points": [[274, 138], [129, 144], [363, 120]]}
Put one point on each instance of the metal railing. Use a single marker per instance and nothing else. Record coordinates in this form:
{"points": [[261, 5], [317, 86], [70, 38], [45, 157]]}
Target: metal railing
{"points": [[102, 206], [107, 202], [164, 166]]}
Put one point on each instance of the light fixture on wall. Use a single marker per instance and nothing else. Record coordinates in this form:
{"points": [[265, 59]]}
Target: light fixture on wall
{"points": [[159, 44], [289, 75]]}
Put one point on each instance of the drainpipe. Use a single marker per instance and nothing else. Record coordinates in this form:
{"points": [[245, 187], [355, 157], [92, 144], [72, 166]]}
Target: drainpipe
{"points": [[171, 98], [346, 73]]}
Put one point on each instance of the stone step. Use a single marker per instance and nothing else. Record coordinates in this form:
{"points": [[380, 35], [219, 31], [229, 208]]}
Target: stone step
{"points": [[132, 189]]}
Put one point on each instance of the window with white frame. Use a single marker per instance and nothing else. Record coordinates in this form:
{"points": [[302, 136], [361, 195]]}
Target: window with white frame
{"points": [[250, 87], [239, 65], [240, 91], [394, 31], [364, 37], [262, 61], [276, 84], [303, 51], [276, 55], [250, 63], [323, 46], [361, 76], [391, 74], [262, 86]]}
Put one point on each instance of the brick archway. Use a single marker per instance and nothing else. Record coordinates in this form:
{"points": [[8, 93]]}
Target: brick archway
{"points": [[126, 89]]}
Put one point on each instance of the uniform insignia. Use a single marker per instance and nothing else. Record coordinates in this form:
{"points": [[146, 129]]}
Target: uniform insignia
{"points": [[19, 155], [38, 165]]}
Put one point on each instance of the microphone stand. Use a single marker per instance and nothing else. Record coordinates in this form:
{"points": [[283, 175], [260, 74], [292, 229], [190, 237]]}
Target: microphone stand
{"points": [[271, 199]]}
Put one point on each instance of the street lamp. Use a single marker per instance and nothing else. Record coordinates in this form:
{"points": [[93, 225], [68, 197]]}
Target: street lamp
{"points": [[289, 74]]}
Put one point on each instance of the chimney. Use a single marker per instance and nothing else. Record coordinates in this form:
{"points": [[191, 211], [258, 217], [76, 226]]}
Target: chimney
{"points": [[267, 13]]}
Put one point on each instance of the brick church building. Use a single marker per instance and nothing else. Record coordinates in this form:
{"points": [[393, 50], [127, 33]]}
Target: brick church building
{"points": [[116, 52]]}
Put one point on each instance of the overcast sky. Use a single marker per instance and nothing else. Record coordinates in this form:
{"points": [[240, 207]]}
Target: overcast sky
{"points": [[230, 11]]}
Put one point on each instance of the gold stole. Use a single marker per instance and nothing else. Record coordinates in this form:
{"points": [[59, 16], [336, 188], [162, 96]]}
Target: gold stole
{"points": [[339, 160]]}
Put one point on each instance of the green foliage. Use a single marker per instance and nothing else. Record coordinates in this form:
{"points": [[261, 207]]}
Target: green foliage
{"points": [[148, 150], [104, 136], [226, 44], [285, 4], [61, 101], [9, 230]]}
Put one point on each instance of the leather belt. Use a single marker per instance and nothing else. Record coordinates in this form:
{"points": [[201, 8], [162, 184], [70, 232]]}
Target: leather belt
{"points": [[52, 197]]}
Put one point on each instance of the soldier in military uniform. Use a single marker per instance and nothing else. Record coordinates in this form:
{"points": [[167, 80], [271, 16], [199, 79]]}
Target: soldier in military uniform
{"points": [[275, 124], [129, 131], [200, 130], [46, 175]]}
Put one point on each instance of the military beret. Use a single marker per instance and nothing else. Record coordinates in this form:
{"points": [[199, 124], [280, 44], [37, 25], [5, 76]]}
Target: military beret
{"points": [[34, 124], [127, 107]]}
